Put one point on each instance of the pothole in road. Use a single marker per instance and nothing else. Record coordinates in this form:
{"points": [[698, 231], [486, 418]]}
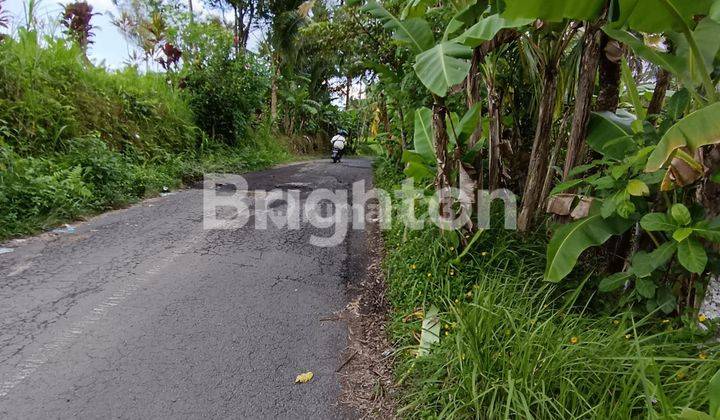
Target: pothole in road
{"points": [[303, 186]]}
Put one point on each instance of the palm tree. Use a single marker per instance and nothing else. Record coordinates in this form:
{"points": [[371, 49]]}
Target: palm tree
{"points": [[288, 16]]}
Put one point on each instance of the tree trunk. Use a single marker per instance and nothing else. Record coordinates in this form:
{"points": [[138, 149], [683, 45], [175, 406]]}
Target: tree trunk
{"points": [[236, 30], [348, 85], [661, 86], [554, 155], [473, 93], [246, 31], [583, 97], [494, 136], [710, 191], [274, 93], [537, 169], [403, 135], [384, 117], [442, 178], [609, 96]]}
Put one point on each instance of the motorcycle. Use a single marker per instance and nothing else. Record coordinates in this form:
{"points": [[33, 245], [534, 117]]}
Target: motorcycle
{"points": [[337, 151], [336, 154]]}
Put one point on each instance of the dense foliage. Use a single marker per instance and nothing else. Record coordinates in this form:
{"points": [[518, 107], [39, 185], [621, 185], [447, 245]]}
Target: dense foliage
{"points": [[602, 113], [78, 139], [227, 93], [510, 344], [629, 168]]}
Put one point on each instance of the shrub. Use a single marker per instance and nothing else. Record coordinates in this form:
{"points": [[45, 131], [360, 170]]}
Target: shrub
{"points": [[513, 345], [227, 95], [35, 192], [77, 139]]}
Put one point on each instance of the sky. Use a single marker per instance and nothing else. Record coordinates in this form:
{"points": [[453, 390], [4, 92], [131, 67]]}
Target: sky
{"points": [[110, 48], [109, 45]]}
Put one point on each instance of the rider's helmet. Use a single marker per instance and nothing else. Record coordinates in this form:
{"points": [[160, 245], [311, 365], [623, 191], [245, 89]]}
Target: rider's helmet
{"points": [[342, 132]]}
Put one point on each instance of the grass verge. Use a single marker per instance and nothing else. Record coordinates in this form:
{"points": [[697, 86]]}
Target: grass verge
{"points": [[37, 193], [514, 346]]}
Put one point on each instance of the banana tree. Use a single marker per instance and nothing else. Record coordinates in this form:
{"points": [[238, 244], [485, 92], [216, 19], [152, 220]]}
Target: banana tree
{"points": [[441, 64]]}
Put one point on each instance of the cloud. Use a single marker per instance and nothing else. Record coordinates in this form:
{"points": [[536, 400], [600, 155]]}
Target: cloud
{"points": [[102, 6]]}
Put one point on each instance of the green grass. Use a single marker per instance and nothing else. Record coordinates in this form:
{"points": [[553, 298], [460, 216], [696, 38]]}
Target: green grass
{"points": [[37, 193], [76, 139], [514, 346]]}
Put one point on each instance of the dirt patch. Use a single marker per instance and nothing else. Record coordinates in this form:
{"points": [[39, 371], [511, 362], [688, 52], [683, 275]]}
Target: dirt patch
{"points": [[366, 371]]}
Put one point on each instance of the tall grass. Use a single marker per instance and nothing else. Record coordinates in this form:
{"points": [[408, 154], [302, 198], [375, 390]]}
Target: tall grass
{"points": [[514, 346], [49, 97], [77, 139]]}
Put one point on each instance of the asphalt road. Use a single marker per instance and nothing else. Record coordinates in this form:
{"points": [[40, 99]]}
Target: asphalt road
{"points": [[142, 313]]}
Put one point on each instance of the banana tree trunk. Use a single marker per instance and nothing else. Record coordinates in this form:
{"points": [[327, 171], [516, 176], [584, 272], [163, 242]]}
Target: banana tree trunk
{"points": [[539, 158], [472, 89], [442, 178], [583, 98], [611, 54], [709, 194], [403, 134], [494, 159], [384, 118], [661, 86], [554, 155]]}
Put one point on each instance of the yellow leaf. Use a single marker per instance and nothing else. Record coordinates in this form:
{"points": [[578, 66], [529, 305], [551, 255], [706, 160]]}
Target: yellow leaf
{"points": [[637, 188], [304, 378]]}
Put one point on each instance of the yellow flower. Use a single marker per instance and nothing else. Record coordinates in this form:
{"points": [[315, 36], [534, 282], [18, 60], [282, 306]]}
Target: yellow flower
{"points": [[681, 375], [457, 300], [665, 321], [574, 340], [452, 248], [484, 254], [616, 322], [429, 274], [412, 267], [702, 318], [469, 294], [628, 336], [452, 272], [703, 356]]}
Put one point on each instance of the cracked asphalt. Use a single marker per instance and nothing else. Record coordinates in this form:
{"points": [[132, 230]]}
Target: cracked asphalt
{"points": [[141, 313]]}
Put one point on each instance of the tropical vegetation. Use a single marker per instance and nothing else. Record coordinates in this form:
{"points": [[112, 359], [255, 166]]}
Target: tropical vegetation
{"points": [[602, 115]]}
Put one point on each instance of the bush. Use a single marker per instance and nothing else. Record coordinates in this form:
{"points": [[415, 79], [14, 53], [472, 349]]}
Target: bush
{"points": [[49, 97], [513, 345], [227, 95], [77, 139], [34, 190]]}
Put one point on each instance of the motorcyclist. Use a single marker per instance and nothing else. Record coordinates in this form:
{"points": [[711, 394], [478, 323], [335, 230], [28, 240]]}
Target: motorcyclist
{"points": [[338, 143]]}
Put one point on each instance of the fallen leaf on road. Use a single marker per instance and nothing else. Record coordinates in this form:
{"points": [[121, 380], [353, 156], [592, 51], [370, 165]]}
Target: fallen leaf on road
{"points": [[304, 378]]}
